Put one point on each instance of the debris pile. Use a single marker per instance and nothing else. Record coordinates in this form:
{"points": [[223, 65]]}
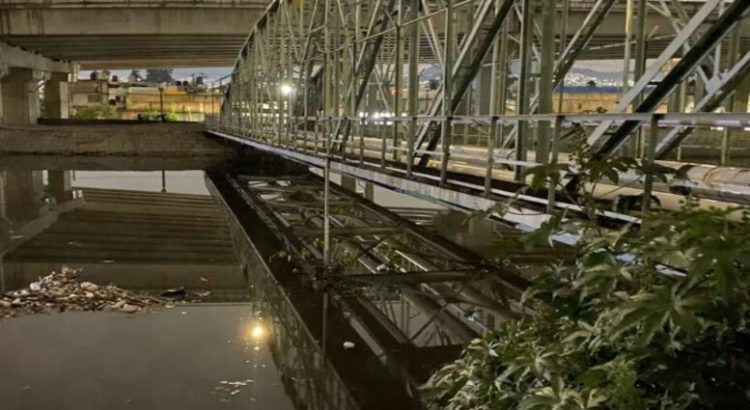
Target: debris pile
{"points": [[61, 291], [230, 388]]}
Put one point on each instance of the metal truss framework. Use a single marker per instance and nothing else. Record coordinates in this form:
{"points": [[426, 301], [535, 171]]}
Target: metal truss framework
{"points": [[410, 296], [346, 79], [385, 262]]}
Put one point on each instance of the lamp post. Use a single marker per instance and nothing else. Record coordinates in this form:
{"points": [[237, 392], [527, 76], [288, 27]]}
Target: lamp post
{"points": [[162, 87]]}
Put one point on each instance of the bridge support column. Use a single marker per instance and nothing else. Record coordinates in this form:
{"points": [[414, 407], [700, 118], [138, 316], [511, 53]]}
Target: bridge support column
{"points": [[350, 184], [4, 223], [20, 96], [60, 186], [23, 196], [56, 103]]}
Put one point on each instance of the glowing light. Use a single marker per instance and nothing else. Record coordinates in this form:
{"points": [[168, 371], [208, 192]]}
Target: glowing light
{"points": [[257, 332], [286, 89]]}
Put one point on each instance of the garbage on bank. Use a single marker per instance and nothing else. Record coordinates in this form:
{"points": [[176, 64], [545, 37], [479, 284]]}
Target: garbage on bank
{"points": [[62, 291]]}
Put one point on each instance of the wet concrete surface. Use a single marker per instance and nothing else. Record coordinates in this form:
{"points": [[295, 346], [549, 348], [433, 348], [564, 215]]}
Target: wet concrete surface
{"points": [[173, 359]]}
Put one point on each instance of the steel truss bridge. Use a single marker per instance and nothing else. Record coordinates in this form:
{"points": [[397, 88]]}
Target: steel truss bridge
{"points": [[343, 81], [340, 86], [405, 298]]}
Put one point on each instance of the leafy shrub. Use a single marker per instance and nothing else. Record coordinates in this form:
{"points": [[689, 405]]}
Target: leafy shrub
{"points": [[99, 112], [154, 116], [618, 329]]}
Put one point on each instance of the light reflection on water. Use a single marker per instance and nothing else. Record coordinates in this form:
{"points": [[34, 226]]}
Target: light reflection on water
{"points": [[162, 360], [122, 228]]}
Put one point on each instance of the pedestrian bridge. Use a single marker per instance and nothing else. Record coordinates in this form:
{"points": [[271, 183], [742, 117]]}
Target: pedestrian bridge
{"points": [[343, 85]]}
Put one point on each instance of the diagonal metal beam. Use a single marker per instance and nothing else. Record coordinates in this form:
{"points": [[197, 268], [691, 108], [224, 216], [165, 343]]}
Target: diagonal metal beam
{"points": [[708, 103], [463, 74], [688, 30], [713, 36], [581, 38], [365, 69]]}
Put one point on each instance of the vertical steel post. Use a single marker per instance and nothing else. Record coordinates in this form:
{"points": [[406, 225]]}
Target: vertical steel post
{"points": [[447, 90], [555, 148], [523, 102], [490, 156], [547, 69], [413, 84], [640, 64], [399, 73], [733, 53], [502, 97], [326, 208], [650, 148], [563, 45], [362, 127], [628, 39]]}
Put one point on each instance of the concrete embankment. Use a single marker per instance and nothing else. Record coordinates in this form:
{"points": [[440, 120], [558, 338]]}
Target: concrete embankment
{"points": [[137, 139]]}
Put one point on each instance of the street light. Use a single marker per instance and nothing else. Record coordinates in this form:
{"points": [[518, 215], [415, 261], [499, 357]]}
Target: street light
{"points": [[286, 89], [162, 87]]}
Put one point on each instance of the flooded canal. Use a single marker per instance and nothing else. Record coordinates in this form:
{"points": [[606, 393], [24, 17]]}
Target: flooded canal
{"points": [[144, 231], [252, 319]]}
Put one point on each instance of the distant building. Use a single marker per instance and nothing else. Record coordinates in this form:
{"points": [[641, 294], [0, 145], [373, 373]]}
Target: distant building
{"points": [[127, 100], [88, 93]]}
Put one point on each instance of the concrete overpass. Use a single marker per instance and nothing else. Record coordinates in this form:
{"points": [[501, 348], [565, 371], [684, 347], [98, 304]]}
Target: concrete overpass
{"points": [[22, 74], [43, 42], [131, 34]]}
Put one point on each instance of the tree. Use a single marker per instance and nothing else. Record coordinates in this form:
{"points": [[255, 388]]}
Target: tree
{"points": [[156, 76], [135, 76], [647, 317]]}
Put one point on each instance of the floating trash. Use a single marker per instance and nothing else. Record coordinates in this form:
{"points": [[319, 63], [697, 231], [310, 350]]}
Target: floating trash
{"points": [[174, 293], [231, 388], [61, 291]]}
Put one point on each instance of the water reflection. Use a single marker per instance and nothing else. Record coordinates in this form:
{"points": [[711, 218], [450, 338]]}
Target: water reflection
{"points": [[121, 228], [362, 336], [166, 360], [131, 234], [396, 302]]}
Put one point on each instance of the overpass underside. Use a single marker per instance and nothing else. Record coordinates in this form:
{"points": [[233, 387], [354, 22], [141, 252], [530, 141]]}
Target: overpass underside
{"points": [[125, 34]]}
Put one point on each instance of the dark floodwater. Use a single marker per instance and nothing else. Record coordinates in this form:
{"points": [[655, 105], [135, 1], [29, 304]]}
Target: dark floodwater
{"points": [[271, 337], [119, 227], [167, 360]]}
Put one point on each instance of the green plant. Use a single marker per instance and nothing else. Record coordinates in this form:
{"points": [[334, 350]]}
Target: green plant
{"points": [[618, 328], [150, 115], [98, 112], [154, 116]]}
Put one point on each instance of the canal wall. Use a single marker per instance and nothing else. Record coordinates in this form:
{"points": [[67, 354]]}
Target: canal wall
{"points": [[123, 140]]}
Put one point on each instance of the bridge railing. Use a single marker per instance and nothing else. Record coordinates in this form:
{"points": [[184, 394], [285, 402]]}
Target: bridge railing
{"points": [[386, 143]]}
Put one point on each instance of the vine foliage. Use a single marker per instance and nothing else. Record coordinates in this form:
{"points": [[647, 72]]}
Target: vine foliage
{"points": [[648, 317]]}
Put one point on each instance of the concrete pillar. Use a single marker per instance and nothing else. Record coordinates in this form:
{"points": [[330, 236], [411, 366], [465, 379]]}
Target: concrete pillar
{"points": [[369, 191], [3, 72], [358, 186], [349, 183], [20, 96], [59, 185], [4, 223], [56, 96], [23, 196]]}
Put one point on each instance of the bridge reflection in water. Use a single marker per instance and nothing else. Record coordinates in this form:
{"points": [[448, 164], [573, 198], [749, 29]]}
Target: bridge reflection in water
{"points": [[397, 302], [137, 239]]}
